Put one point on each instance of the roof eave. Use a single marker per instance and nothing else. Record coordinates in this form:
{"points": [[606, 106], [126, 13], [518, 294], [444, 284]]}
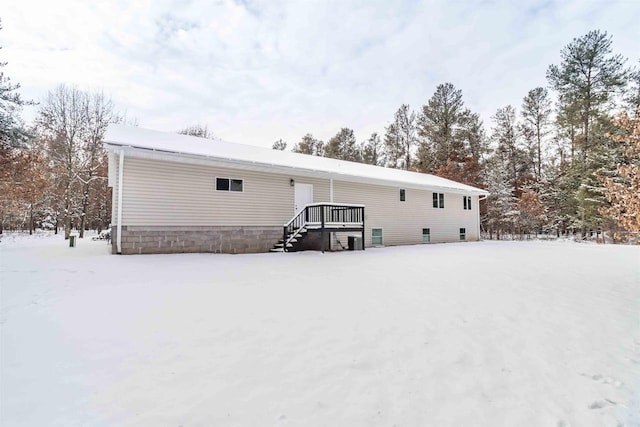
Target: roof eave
{"points": [[168, 155]]}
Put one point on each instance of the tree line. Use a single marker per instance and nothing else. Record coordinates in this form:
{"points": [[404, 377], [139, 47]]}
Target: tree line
{"points": [[565, 160], [561, 162]]}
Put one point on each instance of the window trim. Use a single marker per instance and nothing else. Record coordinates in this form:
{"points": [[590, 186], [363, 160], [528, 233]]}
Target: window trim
{"points": [[230, 180], [427, 235], [466, 203], [463, 234], [438, 200]]}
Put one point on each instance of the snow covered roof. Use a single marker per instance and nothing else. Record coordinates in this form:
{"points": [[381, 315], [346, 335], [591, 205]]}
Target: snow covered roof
{"points": [[137, 141]]}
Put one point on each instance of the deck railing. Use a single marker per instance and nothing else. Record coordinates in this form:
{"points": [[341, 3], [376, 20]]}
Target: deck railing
{"points": [[325, 217]]}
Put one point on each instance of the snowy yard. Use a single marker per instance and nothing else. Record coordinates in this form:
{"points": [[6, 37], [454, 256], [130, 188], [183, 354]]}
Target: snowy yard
{"points": [[482, 334]]}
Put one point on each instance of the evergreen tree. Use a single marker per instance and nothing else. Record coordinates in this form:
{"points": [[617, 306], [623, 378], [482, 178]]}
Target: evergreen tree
{"points": [[393, 147], [536, 112], [506, 140], [405, 125], [373, 151], [201, 131], [439, 126], [501, 211], [557, 191], [309, 145], [13, 136], [12, 129], [343, 146], [279, 145], [632, 97], [587, 80]]}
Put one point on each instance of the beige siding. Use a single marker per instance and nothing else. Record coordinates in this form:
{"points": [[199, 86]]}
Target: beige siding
{"points": [[164, 193], [171, 193], [402, 222]]}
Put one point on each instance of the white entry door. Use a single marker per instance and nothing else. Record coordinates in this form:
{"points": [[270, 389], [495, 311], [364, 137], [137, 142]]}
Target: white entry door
{"points": [[304, 196]]}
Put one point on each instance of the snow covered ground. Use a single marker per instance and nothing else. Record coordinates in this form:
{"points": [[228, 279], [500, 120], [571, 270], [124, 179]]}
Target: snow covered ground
{"points": [[471, 334]]}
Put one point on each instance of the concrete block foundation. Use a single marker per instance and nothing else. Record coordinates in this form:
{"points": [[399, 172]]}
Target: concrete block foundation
{"points": [[195, 239]]}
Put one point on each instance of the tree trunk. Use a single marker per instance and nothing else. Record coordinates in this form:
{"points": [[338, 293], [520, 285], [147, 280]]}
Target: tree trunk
{"points": [[85, 205], [30, 220], [67, 219]]}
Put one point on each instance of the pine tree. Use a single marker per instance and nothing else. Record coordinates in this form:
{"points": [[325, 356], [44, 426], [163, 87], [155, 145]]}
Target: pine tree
{"points": [[587, 80], [343, 146], [201, 131], [536, 112], [12, 129], [405, 125], [501, 212], [632, 97], [439, 126], [373, 151], [309, 145], [393, 147], [557, 191], [13, 135], [279, 145], [506, 140]]}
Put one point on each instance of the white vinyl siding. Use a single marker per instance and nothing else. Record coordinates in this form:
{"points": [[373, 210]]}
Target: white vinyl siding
{"points": [[403, 222], [158, 192]]}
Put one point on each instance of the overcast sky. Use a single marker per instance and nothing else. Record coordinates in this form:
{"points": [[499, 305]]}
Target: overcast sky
{"points": [[258, 71]]}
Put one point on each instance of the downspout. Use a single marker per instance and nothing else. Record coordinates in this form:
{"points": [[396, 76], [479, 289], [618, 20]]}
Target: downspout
{"points": [[119, 226], [481, 197], [332, 236]]}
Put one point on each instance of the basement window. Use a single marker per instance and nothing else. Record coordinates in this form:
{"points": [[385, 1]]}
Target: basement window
{"points": [[466, 203], [229, 184], [426, 235], [376, 236], [438, 200], [403, 195], [463, 234]]}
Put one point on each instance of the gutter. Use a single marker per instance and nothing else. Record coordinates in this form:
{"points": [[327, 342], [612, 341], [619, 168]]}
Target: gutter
{"points": [[283, 169], [481, 197]]}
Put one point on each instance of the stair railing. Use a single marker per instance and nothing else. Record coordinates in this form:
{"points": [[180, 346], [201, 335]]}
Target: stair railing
{"points": [[319, 214]]}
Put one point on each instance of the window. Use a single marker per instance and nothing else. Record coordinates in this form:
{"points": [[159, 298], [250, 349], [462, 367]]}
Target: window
{"points": [[463, 234], [403, 196], [438, 200], [228, 184], [426, 235], [376, 236], [466, 202]]}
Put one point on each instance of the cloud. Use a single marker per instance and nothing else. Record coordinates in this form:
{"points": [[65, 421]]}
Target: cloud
{"points": [[257, 71]]}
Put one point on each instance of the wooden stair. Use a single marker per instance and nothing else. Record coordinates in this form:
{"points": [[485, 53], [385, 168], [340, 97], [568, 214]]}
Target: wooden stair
{"points": [[321, 218], [293, 241]]}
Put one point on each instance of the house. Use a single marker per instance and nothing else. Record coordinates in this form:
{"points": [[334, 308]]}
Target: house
{"points": [[176, 193]]}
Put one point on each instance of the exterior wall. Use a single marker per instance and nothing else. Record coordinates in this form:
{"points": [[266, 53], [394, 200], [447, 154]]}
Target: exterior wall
{"points": [[402, 222], [167, 193], [181, 239], [167, 205], [174, 207]]}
